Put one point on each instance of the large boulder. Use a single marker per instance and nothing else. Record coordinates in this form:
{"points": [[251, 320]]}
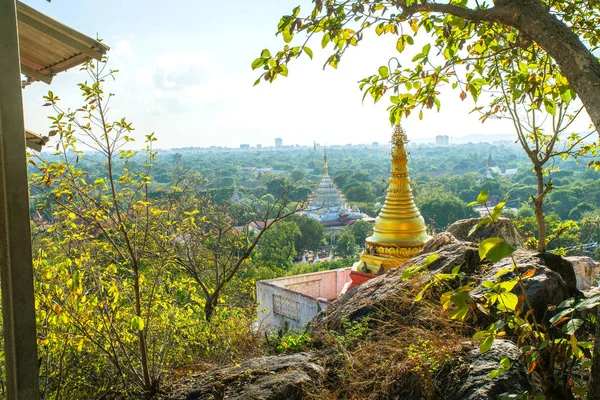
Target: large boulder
{"points": [[380, 291], [477, 385], [284, 377], [586, 271], [553, 281], [503, 228]]}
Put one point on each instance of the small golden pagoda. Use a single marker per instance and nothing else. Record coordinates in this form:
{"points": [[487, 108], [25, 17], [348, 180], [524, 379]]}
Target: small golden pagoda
{"points": [[400, 231]]}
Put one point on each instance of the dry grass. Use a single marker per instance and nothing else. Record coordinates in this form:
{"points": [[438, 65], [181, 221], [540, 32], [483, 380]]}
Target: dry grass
{"points": [[412, 351]]}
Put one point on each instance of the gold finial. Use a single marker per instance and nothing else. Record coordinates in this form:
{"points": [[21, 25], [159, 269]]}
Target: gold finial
{"points": [[399, 135], [325, 168]]}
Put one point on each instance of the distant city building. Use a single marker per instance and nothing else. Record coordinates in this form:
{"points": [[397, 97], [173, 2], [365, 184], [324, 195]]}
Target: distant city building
{"points": [[244, 146], [278, 142], [442, 140], [259, 146]]}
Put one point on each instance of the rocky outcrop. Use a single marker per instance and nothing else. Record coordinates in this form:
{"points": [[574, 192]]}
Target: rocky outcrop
{"points": [[553, 281], [282, 377], [502, 228], [389, 300], [477, 385], [586, 271], [376, 293]]}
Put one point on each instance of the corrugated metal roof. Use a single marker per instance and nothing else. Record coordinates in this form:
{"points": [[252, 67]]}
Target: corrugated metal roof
{"points": [[35, 141], [48, 47]]}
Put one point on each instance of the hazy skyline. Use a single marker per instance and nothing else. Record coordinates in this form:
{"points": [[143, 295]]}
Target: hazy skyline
{"points": [[184, 73]]}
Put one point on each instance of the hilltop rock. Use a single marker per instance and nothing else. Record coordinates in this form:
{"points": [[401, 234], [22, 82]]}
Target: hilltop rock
{"points": [[553, 281], [586, 271], [398, 320], [282, 377], [477, 385], [376, 293], [503, 228]]}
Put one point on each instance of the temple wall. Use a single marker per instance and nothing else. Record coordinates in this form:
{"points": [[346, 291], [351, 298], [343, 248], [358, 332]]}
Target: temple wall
{"points": [[295, 300]]}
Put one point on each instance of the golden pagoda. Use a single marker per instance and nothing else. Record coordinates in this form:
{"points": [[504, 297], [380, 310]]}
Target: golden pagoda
{"points": [[400, 231]]}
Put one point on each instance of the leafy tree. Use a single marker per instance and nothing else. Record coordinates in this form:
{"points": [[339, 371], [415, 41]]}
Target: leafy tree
{"points": [[345, 245], [371, 209], [211, 249], [101, 245], [276, 187], [532, 91], [278, 245], [442, 211], [297, 175], [361, 230], [466, 39], [312, 233], [361, 193]]}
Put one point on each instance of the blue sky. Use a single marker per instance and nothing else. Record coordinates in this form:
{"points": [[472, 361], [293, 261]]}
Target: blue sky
{"points": [[185, 75]]}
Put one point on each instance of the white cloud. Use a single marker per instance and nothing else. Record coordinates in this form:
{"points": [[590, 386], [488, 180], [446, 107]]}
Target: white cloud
{"points": [[123, 48]]}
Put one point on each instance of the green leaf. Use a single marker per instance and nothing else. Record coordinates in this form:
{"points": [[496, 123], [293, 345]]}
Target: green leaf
{"points": [[567, 303], [588, 303], [265, 53], [570, 327], [486, 344], [495, 373], [430, 259], [507, 286], [507, 301], [495, 214], [426, 49], [384, 72], [504, 271], [550, 106], [325, 40], [494, 249], [505, 363], [287, 36], [400, 44], [308, 52], [482, 197], [259, 62], [137, 323], [484, 221], [561, 315], [410, 271], [284, 70]]}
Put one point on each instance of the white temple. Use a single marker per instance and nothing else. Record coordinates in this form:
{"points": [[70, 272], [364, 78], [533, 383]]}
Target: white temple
{"points": [[327, 203]]}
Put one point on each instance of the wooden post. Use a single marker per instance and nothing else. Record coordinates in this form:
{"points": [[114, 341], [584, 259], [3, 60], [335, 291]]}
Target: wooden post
{"points": [[16, 266]]}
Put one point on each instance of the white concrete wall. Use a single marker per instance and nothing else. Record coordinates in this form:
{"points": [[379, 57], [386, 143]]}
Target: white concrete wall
{"points": [[281, 300], [330, 283]]}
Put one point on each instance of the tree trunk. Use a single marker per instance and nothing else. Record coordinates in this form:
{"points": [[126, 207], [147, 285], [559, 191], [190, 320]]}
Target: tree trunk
{"points": [[149, 384], [210, 307], [582, 69], [538, 202], [594, 386]]}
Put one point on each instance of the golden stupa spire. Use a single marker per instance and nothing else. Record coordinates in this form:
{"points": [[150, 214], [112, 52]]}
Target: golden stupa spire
{"points": [[400, 230], [325, 168], [399, 220]]}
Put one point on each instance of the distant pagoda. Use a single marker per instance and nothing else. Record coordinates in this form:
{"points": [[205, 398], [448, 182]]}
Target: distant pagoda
{"points": [[235, 196], [326, 202], [400, 231]]}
